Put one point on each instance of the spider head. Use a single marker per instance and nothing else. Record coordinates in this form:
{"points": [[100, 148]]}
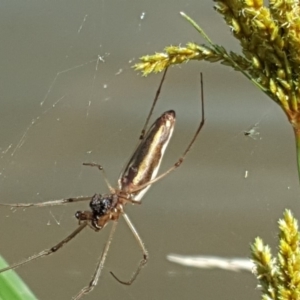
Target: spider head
{"points": [[101, 206]]}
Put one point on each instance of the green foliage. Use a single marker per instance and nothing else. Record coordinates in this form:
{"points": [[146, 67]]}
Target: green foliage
{"points": [[12, 287]]}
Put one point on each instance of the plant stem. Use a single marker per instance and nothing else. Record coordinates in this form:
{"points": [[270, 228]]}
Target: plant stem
{"points": [[297, 138]]}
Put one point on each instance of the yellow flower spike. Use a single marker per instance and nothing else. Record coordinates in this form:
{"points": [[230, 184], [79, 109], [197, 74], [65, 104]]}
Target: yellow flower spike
{"points": [[279, 277]]}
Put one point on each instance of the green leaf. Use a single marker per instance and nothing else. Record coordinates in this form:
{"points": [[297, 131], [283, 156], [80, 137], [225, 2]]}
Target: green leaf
{"points": [[12, 287]]}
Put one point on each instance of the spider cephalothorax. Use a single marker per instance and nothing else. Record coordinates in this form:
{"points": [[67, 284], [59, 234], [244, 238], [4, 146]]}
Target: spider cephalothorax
{"points": [[103, 209]]}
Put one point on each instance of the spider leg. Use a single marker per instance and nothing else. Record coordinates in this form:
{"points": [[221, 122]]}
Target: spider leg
{"points": [[100, 168], [142, 262], [49, 203], [46, 252], [99, 266], [153, 105]]}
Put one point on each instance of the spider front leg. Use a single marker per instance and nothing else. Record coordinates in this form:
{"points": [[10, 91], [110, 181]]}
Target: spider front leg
{"points": [[100, 168], [49, 203]]}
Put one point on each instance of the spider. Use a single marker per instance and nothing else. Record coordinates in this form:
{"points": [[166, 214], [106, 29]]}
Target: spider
{"points": [[136, 178]]}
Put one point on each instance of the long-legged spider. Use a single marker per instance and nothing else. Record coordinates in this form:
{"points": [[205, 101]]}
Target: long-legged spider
{"points": [[138, 175]]}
